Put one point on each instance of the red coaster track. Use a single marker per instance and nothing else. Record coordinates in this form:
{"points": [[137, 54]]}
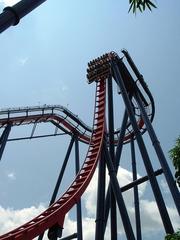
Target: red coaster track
{"points": [[140, 111], [101, 70], [55, 214]]}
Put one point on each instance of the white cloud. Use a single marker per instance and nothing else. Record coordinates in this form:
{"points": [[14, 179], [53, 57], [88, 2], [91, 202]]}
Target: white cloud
{"points": [[124, 177], [69, 226], [64, 88], [164, 186], [11, 176], [9, 2], [150, 218], [22, 61], [88, 228], [11, 218]]}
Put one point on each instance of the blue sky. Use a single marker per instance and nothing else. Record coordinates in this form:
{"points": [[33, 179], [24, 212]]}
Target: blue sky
{"points": [[44, 61]]}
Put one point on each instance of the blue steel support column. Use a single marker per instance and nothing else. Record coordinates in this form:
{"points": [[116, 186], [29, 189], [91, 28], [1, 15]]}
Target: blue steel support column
{"points": [[140, 181], [12, 15], [160, 154], [153, 181], [73, 236], [117, 161], [4, 138], [136, 195], [79, 212], [99, 232], [111, 151], [61, 174], [121, 140], [118, 194]]}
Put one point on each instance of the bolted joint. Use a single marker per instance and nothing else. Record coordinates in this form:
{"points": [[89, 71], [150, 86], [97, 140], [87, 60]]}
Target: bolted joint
{"points": [[14, 13]]}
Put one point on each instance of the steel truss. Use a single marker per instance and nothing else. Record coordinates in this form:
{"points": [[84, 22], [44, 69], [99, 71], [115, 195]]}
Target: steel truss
{"points": [[105, 149]]}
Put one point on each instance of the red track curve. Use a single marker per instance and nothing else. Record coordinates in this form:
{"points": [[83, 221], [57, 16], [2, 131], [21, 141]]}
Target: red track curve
{"points": [[55, 214], [57, 119], [83, 134]]}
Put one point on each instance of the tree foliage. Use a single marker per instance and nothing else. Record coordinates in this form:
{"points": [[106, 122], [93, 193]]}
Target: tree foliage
{"points": [[175, 156], [141, 5], [174, 236]]}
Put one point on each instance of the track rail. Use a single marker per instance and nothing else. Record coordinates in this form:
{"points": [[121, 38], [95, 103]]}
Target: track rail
{"points": [[69, 124], [60, 116], [55, 214], [65, 125]]}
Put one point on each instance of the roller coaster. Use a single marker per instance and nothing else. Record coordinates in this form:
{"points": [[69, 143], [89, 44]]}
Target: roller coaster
{"points": [[105, 146]]}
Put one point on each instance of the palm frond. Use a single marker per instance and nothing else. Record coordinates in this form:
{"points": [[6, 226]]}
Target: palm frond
{"points": [[141, 5]]}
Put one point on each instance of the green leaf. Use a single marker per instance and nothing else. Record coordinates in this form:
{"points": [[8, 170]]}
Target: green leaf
{"points": [[134, 8], [141, 5], [144, 5], [174, 236], [140, 9], [147, 4], [174, 154], [130, 7], [152, 4]]}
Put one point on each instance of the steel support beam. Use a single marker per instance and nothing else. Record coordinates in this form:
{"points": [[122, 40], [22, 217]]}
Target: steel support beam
{"points": [[11, 15], [111, 151], [79, 211], [33, 130], [153, 181], [61, 174], [4, 139], [73, 236], [117, 162], [140, 181], [121, 140], [38, 136], [136, 194], [118, 194], [59, 180], [99, 232], [156, 144]]}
